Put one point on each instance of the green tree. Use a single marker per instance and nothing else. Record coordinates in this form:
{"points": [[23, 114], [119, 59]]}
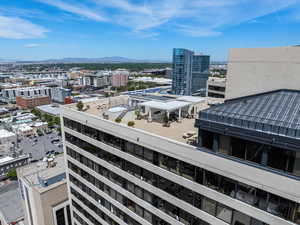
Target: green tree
{"points": [[36, 112], [57, 120], [12, 174], [80, 106]]}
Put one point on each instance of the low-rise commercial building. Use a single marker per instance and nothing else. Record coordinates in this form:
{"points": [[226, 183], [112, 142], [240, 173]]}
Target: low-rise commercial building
{"points": [[23, 130], [8, 163], [52, 109], [32, 102], [44, 190]]}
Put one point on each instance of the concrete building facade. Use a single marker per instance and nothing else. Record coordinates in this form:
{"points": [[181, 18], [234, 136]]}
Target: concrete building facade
{"points": [[258, 70], [147, 175], [44, 193]]}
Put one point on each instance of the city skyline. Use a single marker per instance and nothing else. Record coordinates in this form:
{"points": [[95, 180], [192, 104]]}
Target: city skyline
{"points": [[43, 29]]}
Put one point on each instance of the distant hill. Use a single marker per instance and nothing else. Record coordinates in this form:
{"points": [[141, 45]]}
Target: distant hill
{"points": [[113, 59]]}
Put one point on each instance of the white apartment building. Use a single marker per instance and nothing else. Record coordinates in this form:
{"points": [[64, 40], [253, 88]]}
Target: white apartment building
{"points": [[172, 173], [9, 95]]}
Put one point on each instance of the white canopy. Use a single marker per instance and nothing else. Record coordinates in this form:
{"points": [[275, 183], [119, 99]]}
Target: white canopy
{"points": [[167, 106]]}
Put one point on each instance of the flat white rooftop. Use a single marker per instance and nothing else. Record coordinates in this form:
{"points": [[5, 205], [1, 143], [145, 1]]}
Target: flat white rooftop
{"points": [[6, 159], [6, 134]]}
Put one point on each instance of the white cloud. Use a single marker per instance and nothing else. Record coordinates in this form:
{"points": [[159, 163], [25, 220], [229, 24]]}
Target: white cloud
{"points": [[197, 32], [32, 45], [192, 17], [76, 9], [17, 28]]}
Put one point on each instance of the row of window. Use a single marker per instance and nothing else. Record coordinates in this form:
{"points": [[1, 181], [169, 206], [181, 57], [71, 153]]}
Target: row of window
{"points": [[265, 155], [151, 218], [163, 205], [80, 220], [271, 203], [101, 201], [90, 217], [208, 205]]}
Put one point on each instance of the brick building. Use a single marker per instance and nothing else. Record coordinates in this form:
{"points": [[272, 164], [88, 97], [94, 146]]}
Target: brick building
{"points": [[31, 102]]}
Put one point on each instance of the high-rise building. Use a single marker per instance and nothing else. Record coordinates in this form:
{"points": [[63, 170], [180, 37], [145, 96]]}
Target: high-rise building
{"points": [[190, 72], [119, 78], [134, 171]]}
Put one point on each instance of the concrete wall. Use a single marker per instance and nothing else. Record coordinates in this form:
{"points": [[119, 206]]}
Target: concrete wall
{"points": [[52, 198], [257, 70]]}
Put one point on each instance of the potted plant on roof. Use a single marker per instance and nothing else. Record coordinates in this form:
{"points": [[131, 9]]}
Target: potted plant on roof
{"points": [[80, 106], [131, 124], [138, 114], [118, 120]]}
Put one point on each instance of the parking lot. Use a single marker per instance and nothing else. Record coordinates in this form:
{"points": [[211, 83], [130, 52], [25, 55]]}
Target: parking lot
{"points": [[40, 145]]}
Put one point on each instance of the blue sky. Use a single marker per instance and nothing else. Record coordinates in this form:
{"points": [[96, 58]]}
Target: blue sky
{"points": [[143, 29]]}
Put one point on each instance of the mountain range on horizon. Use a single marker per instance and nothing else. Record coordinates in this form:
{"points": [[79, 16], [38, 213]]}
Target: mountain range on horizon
{"points": [[112, 59]]}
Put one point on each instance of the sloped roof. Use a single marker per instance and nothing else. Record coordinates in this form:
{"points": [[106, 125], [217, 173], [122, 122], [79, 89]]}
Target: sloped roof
{"points": [[276, 112]]}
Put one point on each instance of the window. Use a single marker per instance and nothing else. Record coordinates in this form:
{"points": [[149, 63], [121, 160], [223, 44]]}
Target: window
{"points": [[148, 155], [69, 215], [187, 170], [148, 216], [227, 186], [254, 152], [240, 219], [60, 217], [224, 213], [212, 180], [273, 155], [207, 139], [209, 205], [246, 193], [238, 148]]}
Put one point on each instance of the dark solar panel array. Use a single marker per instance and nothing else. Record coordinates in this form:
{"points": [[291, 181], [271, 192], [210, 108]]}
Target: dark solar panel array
{"points": [[276, 112]]}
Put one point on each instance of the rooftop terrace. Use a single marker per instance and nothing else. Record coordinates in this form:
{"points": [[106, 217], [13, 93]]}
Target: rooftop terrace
{"points": [[181, 113]]}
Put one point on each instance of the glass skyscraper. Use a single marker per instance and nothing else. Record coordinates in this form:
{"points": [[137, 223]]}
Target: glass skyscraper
{"points": [[190, 72]]}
